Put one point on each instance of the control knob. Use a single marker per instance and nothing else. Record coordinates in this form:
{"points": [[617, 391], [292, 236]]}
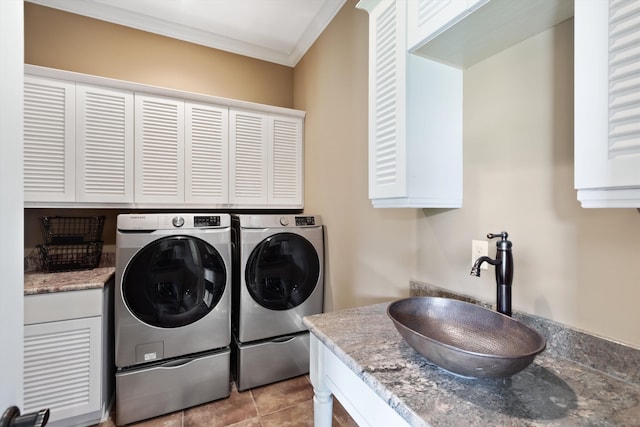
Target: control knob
{"points": [[177, 221], [284, 221]]}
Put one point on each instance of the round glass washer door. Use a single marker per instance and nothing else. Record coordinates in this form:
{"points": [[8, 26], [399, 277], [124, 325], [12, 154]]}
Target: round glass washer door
{"points": [[174, 281], [282, 271]]}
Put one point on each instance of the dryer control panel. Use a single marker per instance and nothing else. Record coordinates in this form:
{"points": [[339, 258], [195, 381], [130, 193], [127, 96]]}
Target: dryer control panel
{"points": [[301, 221], [206, 221]]}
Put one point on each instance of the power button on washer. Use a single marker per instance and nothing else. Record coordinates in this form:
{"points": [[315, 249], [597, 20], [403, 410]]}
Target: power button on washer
{"points": [[177, 221]]}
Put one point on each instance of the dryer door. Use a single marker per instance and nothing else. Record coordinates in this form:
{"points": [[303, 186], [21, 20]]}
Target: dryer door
{"points": [[282, 271], [174, 281]]}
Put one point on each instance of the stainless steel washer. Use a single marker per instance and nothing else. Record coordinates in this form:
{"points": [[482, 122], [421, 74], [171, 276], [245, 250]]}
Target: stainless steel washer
{"points": [[172, 312], [278, 279]]}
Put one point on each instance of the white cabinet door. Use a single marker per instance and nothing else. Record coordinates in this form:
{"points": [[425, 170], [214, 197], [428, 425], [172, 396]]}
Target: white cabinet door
{"points": [[607, 103], [415, 119], [387, 98], [285, 161], [248, 158], [62, 367], [206, 154], [104, 145], [159, 149], [49, 138]]}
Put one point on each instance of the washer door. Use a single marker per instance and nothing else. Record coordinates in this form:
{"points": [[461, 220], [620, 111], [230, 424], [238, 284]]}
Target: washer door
{"points": [[174, 281], [282, 271]]}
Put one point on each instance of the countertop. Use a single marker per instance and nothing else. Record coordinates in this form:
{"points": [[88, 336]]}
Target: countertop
{"points": [[41, 283], [553, 390]]}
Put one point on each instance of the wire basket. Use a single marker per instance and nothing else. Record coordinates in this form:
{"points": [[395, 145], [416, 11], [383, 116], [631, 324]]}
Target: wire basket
{"points": [[55, 258], [66, 230]]}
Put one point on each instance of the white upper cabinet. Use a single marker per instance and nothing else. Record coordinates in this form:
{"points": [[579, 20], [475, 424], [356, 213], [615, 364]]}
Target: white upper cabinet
{"points": [[104, 145], [415, 118], [49, 140], [285, 174], [159, 149], [248, 158], [91, 141], [206, 153], [428, 18], [265, 159], [464, 32], [607, 103]]}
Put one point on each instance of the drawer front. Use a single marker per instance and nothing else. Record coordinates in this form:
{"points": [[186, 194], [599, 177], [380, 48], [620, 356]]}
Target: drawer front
{"points": [[171, 386], [52, 307], [271, 361]]}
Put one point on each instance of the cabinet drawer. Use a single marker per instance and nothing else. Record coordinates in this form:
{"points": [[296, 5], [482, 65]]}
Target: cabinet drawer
{"points": [[57, 306]]}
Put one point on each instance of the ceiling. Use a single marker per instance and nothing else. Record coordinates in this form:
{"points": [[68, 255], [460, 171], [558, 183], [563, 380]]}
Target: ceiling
{"points": [[279, 31]]}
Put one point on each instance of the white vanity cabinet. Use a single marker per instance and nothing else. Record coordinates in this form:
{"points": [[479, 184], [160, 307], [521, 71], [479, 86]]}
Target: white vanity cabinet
{"points": [[265, 157], [68, 362], [607, 103], [415, 118]]}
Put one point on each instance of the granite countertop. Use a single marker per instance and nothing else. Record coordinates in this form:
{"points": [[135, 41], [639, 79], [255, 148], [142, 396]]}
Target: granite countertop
{"points": [[553, 390], [41, 283]]}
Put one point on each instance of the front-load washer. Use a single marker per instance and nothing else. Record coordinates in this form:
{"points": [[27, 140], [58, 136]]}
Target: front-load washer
{"points": [[278, 280], [172, 312]]}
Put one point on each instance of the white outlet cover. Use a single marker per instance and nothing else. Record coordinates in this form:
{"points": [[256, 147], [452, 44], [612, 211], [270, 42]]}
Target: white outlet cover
{"points": [[479, 248]]}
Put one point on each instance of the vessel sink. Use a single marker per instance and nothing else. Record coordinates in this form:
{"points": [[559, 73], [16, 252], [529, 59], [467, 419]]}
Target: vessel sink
{"points": [[465, 338]]}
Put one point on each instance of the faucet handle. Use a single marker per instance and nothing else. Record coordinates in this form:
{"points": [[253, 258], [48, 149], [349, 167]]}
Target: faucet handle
{"points": [[503, 234], [503, 244]]}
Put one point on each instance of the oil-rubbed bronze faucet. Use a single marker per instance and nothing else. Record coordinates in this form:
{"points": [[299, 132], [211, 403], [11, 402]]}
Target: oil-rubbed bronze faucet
{"points": [[504, 271]]}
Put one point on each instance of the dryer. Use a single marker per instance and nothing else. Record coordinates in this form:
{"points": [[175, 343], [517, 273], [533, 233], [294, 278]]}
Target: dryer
{"points": [[172, 312], [278, 280]]}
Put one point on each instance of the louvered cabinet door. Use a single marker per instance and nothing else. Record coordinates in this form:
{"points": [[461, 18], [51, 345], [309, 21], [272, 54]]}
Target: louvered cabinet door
{"points": [[104, 145], [285, 162], [607, 103], [206, 154], [49, 140], [387, 87], [62, 367], [248, 158], [159, 149]]}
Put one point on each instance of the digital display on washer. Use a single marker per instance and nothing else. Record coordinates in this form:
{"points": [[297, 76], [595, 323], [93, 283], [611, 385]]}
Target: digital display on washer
{"points": [[305, 220], [206, 221]]}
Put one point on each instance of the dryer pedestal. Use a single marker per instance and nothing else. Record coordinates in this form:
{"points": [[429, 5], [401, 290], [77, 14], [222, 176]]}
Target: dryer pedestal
{"points": [[276, 359], [146, 392]]}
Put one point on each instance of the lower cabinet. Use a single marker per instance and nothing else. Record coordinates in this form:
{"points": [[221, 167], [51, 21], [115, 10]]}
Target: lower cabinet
{"points": [[68, 364]]}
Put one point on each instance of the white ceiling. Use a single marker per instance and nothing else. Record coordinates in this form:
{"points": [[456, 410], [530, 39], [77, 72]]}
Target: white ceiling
{"points": [[279, 31]]}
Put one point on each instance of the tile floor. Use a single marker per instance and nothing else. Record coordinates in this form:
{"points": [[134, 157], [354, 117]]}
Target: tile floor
{"points": [[287, 403]]}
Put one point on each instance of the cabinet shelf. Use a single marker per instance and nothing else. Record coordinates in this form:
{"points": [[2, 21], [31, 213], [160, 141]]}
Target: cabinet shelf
{"points": [[484, 28]]}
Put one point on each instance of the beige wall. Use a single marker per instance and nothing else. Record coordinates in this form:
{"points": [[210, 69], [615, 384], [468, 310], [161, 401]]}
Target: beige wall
{"points": [[72, 42], [370, 252], [573, 265]]}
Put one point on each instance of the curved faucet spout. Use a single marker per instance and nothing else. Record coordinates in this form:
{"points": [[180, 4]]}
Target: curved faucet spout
{"points": [[475, 270]]}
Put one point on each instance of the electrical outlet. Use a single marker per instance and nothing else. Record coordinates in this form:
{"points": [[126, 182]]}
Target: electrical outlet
{"points": [[479, 248]]}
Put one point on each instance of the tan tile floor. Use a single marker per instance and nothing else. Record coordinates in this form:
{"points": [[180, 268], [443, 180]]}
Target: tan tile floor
{"points": [[287, 403]]}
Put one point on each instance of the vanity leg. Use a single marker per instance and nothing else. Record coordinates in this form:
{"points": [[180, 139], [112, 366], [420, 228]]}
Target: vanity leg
{"points": [[322, 408], [322, 398]]}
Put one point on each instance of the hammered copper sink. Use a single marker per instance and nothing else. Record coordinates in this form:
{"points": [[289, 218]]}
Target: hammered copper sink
{"points": [[465, 338]]}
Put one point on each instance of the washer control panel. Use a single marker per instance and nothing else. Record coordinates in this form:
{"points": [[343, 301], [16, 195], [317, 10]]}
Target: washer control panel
{"points": [[206, 221]]}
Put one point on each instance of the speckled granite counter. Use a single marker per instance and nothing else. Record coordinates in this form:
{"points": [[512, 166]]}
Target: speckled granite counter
{"points": [[41, 283], [555, 389]]}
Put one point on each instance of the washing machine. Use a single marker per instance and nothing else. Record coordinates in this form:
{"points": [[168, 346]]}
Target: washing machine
{"points": [[172, 312], [278, 280]]}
